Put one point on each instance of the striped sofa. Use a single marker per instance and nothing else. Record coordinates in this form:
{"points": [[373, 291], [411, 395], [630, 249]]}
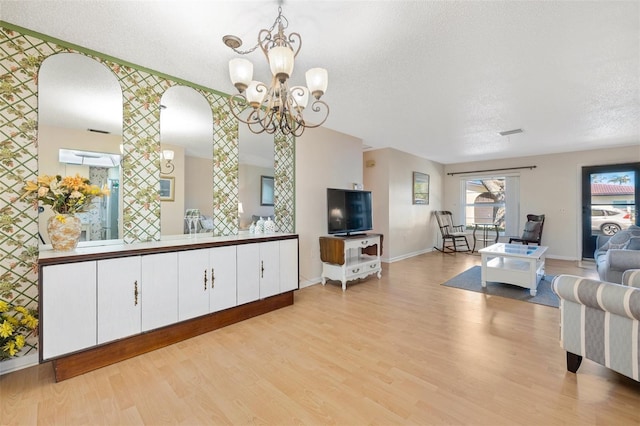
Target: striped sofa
{"points": [[599, 321]]}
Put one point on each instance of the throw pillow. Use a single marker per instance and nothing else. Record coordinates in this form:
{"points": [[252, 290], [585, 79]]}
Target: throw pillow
{"points": [[633, 243], [531, 231], [619, 239]]}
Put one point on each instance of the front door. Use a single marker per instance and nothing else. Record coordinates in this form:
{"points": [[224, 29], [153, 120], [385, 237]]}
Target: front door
{"points": [[610, 197]]}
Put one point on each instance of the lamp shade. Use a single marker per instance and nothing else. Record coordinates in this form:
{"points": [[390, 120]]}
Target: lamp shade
{"points": [[300, 95], [281, 62], [256, 93], [317, 81], [241, 73], [168, 154]]}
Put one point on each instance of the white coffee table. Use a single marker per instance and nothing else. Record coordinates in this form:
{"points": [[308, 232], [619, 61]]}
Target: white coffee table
{"points": [[517, 264]]}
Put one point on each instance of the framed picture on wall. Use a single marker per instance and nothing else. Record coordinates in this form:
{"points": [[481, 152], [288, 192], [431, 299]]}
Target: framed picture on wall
{"points": [[266, 190], [420, 188], [167, 188]]}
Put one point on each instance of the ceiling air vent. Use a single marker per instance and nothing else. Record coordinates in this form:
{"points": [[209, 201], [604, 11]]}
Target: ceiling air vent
{"points": [[511, 132]]}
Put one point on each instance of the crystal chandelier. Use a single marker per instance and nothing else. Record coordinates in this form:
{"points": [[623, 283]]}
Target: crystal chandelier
{"points": [[276, 107]]}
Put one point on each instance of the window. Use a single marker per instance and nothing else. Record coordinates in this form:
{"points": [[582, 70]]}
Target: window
{"points": [[492, 200]]}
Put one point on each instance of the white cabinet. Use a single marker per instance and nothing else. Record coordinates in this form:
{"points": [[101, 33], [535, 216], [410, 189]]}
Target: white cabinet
{"points": [[269, 269], [91, 305], [223, 278], [68, 308], [119, 298], [289, 279], [266, 269], [159, 295], [347, 258], [193, 283], [248, 273], [206, 281]]}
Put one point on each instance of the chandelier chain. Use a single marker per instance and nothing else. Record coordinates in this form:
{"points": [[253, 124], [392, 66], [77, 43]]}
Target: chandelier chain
{"points": [[280, 19]]}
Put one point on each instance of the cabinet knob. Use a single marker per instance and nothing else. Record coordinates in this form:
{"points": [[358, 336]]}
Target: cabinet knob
{"points": [[354, 271], [135, 293], [262, 269], [213, 279]]}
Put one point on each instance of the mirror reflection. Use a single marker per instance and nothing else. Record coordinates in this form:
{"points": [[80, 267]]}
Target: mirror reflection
{"points": [[256, 161], [79, 132], [186, 135]]}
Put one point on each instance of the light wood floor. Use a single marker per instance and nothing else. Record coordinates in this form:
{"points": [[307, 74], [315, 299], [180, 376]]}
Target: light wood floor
{"points": [[400, 350]]}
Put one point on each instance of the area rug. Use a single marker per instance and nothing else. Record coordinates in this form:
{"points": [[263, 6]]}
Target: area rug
{"points": [[470, 280]]}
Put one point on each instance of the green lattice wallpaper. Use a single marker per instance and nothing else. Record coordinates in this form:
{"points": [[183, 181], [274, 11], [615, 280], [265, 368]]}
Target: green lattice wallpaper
{"points": [[22, 52]]}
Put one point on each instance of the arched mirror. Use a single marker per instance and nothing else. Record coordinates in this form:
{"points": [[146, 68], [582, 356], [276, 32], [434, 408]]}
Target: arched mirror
{"points": [[80, 132], [255, 176], [186, 171]]}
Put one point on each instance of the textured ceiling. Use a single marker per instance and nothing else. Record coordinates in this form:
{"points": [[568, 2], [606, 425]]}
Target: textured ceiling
{"points": [[438, 79]]}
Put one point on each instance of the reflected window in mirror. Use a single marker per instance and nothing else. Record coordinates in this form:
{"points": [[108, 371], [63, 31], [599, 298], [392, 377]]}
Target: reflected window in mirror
{"points": [[79, 132], [186, 129]]}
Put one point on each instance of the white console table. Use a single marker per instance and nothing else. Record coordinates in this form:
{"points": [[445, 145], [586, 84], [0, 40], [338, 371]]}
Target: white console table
{"points": [[347, 258]]}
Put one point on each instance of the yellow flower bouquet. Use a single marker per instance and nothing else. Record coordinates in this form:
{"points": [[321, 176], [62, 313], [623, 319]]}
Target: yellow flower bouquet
{"points": [[65, 195], [16, 324]]}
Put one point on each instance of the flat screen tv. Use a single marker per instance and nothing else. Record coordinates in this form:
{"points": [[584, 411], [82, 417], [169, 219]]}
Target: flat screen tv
{"points": [[348, 211]]}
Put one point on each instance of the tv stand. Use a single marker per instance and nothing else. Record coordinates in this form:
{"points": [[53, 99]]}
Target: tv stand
{"points": [[350, 257]]}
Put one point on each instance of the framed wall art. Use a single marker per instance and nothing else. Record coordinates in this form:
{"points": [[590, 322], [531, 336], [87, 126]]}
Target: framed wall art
{"points": [[167, 188], [420, 188]]}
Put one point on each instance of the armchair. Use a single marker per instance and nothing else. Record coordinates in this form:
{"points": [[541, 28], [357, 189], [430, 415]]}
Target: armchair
{"points": [[532, 230], [599, 321], [617, 253]]}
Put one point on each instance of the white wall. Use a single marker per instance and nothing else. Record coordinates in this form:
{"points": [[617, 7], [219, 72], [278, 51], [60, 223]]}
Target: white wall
{"points": [[324, 159], [552, 188], [409, 229], [198, 189]]}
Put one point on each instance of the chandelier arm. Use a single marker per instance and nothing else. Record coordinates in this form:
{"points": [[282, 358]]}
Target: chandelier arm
{"points": [[317, 106], [292, 41]]}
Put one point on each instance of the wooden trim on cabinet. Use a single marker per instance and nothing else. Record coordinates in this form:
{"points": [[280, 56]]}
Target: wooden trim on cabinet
{"points": [[82, 362]]}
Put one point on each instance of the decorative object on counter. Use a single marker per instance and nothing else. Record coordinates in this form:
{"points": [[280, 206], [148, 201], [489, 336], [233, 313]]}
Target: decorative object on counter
{"points": [[64, 231], [252, 228], [269, 226], [66, 196], [260, 226], [17, 323], [192, 217]]}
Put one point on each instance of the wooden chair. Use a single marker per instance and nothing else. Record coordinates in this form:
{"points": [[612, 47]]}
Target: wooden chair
{"points": [[454, 238], [532, 233]]}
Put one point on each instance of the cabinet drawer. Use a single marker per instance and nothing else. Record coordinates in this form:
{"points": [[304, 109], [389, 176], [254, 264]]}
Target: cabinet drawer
{"points": [[362, 268], [361, 242]]}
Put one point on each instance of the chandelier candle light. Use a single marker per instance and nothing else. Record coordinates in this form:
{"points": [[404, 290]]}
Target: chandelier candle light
{"points": [[277, 107]]}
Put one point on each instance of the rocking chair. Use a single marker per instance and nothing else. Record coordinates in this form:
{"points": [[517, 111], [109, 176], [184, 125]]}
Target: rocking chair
{"points": [[454, 238]]}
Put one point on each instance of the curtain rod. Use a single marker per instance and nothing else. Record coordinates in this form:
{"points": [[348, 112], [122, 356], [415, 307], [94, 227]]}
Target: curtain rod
{"points": [[492, 170]]}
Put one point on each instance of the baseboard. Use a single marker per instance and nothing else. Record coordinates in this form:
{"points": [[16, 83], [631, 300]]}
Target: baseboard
{"points": [[15, 364], [553, 256], [310, 282], [407, 256]]}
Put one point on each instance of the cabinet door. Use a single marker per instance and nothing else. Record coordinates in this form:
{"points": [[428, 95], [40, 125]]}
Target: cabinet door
{"points": [[119, 298], [193, 283], [159, 277], [248, 268], [68, 308], [269, 269], [223, 278], [288, 265]]}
